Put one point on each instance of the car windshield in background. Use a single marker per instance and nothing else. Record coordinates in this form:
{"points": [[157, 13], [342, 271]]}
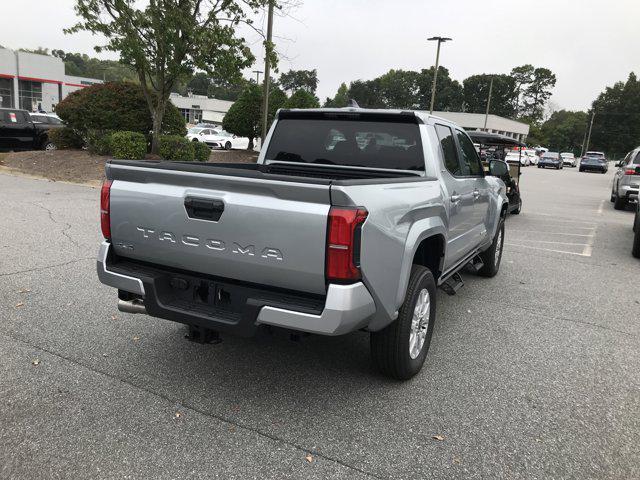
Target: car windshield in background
{"points": [[356, 143], [550, 156], [595, 154]]}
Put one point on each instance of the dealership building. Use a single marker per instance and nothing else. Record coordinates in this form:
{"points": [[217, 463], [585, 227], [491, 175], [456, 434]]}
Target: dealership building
{"points": [[488, 123], [31, 81]]}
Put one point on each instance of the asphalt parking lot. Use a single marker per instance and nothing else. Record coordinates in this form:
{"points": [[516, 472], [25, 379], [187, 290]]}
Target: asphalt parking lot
{"points": [[533, 374]]}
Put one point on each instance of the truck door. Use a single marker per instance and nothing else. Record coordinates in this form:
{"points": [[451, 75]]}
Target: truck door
{"points": [[17, 131], [459, 198], [473, 171]]}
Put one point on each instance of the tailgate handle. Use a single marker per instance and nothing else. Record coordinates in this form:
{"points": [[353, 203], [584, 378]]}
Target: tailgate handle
{"points": [[204, 208]]}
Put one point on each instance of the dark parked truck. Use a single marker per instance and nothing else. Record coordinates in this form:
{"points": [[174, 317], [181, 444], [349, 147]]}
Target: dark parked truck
{"points": [[19, 132], [349, 221]]}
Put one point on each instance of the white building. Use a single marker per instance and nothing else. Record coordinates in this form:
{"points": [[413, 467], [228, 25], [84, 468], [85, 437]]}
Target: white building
{"points": [[495, 124], [200, 108], [31, 81]]}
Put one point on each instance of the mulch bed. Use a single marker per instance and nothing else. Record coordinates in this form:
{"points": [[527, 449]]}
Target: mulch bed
{"points": [[79, 166]]}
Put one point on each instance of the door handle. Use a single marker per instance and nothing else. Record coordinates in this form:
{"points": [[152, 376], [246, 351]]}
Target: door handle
{"points": [[455, 198]]}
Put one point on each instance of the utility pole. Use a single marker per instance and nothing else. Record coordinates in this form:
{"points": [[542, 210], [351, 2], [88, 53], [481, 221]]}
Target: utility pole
{"points": [[435, 73], [486, 115], [257, 72], [267, 74], [586, 145]]}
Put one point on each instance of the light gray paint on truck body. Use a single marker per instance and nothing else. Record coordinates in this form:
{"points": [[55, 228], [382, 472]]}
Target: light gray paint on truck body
{"points": [[285, 221]]}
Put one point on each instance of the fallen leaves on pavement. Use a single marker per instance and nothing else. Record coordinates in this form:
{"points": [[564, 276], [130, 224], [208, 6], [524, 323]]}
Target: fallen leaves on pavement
{"points": [[309, 458], [35, 362], [440, 438], [18, 305]]}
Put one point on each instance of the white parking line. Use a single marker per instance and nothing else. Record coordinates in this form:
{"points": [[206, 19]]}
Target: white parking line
{"points": [[600, 207], [583, 254], [553, 233]]}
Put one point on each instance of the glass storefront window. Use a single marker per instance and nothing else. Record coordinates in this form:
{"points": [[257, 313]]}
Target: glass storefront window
{"points": [[6, 92], [30, 95]]}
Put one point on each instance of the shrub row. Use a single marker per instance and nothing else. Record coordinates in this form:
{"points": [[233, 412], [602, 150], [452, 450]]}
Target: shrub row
{"points": [[174, 147]]}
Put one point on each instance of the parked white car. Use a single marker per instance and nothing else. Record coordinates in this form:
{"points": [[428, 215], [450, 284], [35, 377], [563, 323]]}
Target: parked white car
{"points": [[218, 138], [531, 154], [515, 157], [569, 158]]}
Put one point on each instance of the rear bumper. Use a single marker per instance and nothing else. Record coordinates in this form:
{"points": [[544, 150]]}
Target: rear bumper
{"points": [[344, 309], [628, 192]]}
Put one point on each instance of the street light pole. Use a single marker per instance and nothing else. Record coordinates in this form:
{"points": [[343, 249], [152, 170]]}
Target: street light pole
{"points": [[486, 115], [267, 74], [257, 72], [586, 145], [435, 73]]}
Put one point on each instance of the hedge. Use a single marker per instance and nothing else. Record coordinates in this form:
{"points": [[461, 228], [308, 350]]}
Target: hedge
{"points": [[174, 147], [201, 151], [128, 145], [65, 137], [115, 106], [99, 141]]}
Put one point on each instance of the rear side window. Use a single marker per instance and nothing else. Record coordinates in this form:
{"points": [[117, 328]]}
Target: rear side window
{"points": [[13, 116], [347, 142], [445, 135], [636, 160], [468, 156]]}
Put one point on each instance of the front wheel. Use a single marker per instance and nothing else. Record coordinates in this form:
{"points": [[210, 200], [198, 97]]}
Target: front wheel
{"points": [[519, 209], [619, 203], [399, 350], [492, 256], [49, 146], [227, 146]]}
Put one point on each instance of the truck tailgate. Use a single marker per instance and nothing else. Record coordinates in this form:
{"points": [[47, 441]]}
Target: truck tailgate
{"points": [[259, 230]]}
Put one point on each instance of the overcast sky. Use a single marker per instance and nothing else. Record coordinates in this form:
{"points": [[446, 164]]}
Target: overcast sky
{"points": [[588, 44]]}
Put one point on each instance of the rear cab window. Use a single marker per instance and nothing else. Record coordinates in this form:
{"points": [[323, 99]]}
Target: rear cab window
{"points": [[351, 140]]}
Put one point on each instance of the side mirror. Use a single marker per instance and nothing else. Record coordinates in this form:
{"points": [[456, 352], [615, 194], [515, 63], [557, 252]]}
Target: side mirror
{"points": [[618, 164], [498, 168]]}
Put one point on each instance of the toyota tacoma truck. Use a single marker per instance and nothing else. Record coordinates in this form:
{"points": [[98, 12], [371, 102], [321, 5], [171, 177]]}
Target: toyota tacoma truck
{"points": [[350, 220]]}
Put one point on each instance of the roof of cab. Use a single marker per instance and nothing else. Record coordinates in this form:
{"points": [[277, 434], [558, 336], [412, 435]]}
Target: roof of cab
{"points": [[421, 116]]}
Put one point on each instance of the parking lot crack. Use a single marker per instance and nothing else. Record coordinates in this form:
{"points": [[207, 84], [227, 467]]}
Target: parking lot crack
{"points": [[195, 409], [46, 267], [66, 227]]}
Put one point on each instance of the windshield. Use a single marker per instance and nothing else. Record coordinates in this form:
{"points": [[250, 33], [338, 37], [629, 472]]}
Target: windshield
{"points": [[359, 143], [595, 154], [550, 156], [195, 130]]}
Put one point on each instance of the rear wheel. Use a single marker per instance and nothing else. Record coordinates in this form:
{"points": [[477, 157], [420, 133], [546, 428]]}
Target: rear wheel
{"points": [[519, 209], [227, 146], [492, 256], [49, 146], [400, 349], [619, 203], [635, 249]]}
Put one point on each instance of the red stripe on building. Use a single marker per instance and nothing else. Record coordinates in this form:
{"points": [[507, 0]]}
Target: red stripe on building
{"points": [[76, 85], [41, 80], [4, 75]]}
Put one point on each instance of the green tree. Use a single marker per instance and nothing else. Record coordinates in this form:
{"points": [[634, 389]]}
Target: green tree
{"points": [[245, 115], [199, 84], [167, 40], [616, 124], [476, 94], [537, 94], [341, 99], [522, 77], [302, 99], [367, 93], [294, 80], [449, 94], [400, 89], [564, 131]]}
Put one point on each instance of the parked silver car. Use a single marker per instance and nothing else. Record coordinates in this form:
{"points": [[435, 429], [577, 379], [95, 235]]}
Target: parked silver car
{"points": [[626, 181]]}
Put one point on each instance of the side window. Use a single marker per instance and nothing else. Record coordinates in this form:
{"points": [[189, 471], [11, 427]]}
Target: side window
{"points": [[636, 161], [448, 149], [468, 156]]}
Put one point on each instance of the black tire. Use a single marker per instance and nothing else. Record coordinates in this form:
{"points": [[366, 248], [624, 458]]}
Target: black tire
{"points": [[227, 146], [539, 166], [619, 203], [613, 198], [580, 170], [390, 346], [519, 209], [635, 249], [491, 263], [195, 140], [49, 146]]}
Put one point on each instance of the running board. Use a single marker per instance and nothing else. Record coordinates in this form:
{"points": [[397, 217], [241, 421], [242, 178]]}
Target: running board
{"points": [[475, 265], [453, 284]]}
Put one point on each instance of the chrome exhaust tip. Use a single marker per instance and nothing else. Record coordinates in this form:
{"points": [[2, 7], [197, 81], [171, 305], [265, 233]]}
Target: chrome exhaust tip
{"points": [[132, 306]]}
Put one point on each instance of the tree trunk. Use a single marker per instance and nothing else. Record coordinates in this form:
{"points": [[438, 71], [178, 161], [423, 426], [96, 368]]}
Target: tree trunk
{"points": [[250, 145], [157, 116]]}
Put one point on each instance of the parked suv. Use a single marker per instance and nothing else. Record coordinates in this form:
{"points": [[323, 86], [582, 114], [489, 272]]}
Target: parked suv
{"points": [[19, 132], [626, 181], [550, 159]]}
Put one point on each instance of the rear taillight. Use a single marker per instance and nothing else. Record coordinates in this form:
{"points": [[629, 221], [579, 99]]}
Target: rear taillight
{"points": [[343, 243], [105, 209], [630, 171]]}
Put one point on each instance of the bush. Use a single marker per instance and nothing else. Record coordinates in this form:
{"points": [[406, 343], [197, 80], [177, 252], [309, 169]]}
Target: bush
{"points": [[99, 142], [115, 106], [128, 145], [201, 151], [174, 147], [65, 137]]}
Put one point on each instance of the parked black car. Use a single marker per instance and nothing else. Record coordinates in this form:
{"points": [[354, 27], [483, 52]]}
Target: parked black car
{"points": [[19, 132], [550, 159]]}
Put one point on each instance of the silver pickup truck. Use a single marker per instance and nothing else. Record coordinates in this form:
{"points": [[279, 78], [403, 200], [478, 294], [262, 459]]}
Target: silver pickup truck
{"points": [[349, 221]]}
